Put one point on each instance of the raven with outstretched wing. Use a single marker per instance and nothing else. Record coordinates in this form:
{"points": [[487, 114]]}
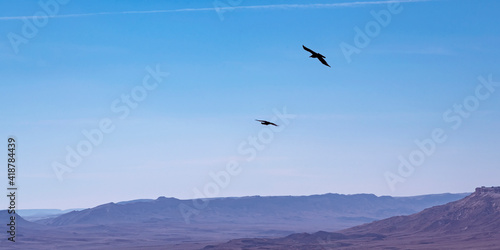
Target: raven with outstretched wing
{"points": [[316, 55], [264, 122]]}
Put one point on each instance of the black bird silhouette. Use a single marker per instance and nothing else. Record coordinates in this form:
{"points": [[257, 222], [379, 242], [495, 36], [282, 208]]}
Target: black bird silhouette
{"points": [[264, 122], [316, 55]]}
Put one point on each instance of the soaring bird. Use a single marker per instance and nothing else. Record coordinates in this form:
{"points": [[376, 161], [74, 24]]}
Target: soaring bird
{"points": [[316, 55], [264, 122]]}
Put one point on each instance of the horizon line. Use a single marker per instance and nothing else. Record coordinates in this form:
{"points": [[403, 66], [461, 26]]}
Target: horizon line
{"points": [[246, 196]]}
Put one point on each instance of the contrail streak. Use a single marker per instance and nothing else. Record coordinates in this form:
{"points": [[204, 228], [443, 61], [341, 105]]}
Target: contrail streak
{"points": [[254, 7]]}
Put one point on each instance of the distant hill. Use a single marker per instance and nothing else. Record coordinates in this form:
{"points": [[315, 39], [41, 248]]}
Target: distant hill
{"points": [[20, 221], [470, 223], [122, 212], [38, 214], [283, 214], [478, 212], [159, 224]]}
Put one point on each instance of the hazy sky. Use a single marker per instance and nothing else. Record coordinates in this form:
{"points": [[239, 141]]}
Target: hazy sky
{"points": [[400, 73]]}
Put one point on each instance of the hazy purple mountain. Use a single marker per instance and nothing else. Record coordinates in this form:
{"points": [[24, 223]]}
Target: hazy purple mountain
{"points": [[38, 214], [477, 213], [19, 220], [159, 224], [470, 223], [329, 211]]}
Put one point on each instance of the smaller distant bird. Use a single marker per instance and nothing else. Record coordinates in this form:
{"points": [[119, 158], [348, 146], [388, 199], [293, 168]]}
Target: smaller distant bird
{"points": [[316, 55], [264, 122]]}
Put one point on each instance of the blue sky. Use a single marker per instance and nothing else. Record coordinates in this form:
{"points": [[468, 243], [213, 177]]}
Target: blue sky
{"points": [[351, 122]]}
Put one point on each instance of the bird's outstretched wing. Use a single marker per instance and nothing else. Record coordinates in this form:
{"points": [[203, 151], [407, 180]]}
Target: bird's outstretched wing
{"points": [[308, 49], [264, 122], [323, 61]]}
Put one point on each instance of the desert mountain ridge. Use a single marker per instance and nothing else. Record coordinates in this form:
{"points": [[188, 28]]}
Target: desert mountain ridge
{"points": [[328, 211], [469, 223], [159, 223]]}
